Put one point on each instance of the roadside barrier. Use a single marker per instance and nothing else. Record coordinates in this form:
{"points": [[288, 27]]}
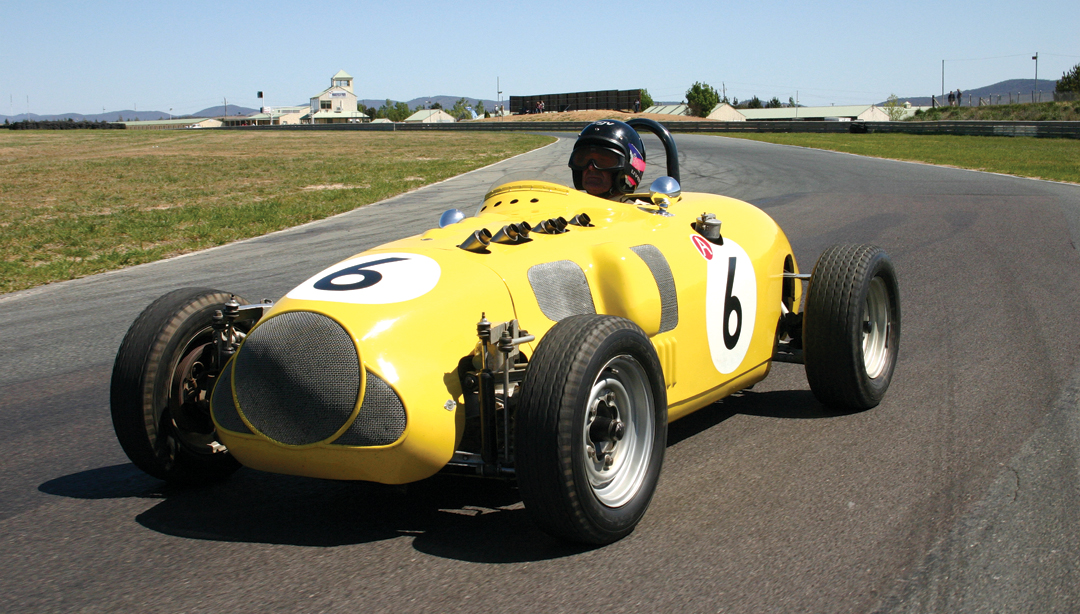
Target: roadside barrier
{"points": [[1048, 129]]}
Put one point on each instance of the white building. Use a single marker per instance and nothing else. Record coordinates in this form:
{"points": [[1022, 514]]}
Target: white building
{"points": [[430, 116], [726, 113], [278, 116], [336, 104]]}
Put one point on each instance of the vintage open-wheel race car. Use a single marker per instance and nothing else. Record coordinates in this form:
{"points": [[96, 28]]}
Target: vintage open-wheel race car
{"points": [[549, 339]]}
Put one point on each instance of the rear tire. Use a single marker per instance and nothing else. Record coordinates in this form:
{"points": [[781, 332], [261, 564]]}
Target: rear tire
{"points": [[591, 429], [160, 391], [851, 326]]}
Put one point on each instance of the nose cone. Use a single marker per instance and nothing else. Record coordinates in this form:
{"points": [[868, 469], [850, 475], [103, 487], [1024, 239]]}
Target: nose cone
{"points": [[298, 378]]}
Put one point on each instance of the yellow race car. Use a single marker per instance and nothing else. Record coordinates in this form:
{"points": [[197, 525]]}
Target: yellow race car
{"points": [[549, 339]]}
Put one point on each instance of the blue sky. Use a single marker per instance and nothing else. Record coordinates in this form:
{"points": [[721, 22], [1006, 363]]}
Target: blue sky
{"points": [[82, 57]]}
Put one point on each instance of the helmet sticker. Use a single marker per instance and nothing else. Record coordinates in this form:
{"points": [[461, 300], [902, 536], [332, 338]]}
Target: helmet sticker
{"points": [[635, 159]]}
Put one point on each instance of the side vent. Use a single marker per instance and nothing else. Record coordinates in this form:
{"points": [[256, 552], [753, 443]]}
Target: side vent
{"points": [[561, 289], [665, 282]]}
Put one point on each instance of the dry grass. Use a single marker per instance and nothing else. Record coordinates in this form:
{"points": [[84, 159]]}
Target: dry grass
{"points": [[74, 203]]}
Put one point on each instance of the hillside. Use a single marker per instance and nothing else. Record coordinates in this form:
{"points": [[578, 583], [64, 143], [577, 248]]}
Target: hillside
{"points": [[1017, 88], [127, 115], [1040, 111]]}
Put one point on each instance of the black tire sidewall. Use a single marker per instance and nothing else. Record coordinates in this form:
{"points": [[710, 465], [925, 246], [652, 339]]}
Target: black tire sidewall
{"points": [[141, 380], [550, 419], [619, 521], [832, 333]]}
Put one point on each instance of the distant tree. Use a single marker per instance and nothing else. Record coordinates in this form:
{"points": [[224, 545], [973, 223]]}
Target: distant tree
{"points": [[791, 102], [646, 99], [6, 122], [480, 108], [436, 105], [701, 98], [754, 103], [1070, 80], [460, 110], [735, 101], [894, 108], [394, 111], [774, 103]]}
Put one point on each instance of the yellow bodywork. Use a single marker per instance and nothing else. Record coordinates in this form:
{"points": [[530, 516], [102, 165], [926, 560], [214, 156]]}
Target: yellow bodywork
{"points": [[415, 344]]}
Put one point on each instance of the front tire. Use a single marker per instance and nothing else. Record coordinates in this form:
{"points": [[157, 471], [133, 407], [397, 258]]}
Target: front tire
{"points": [[591, 429], [851, 326], [161, 386]]}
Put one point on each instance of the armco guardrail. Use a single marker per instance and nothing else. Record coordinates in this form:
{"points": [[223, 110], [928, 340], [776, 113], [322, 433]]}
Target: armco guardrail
{"points": [[966, 128]]}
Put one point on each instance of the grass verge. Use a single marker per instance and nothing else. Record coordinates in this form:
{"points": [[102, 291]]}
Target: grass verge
{"points": [[75, 203], [1053, 159]]}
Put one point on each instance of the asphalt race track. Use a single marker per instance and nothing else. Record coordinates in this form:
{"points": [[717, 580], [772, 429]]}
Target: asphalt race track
{"points": [[958, 493]]}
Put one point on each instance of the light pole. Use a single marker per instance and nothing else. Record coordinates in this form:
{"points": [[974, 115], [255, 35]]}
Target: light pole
{"points": [[1036, 58]]}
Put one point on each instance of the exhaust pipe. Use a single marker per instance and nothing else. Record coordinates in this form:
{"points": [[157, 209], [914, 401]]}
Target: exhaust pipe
{"points": [[553, 226], [512, 233], [477, 241], [582, 219]]}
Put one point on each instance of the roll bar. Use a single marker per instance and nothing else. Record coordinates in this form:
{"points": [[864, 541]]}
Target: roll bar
{"points": [[665, 137]]}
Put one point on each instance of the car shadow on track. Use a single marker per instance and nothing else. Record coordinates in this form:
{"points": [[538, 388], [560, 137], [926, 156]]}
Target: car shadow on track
{"points": [[451, 517], [785, 404], [446, 516]]}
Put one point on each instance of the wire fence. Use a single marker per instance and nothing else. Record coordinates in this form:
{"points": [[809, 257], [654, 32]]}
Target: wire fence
{"points": [[967, 100]]}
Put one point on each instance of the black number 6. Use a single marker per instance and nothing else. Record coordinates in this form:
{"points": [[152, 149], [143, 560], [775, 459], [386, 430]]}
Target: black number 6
{"points": [[731, 304], [367, 277]]}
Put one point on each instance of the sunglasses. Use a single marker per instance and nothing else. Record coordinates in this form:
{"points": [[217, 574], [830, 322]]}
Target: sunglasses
{"points": [[601, 159]]}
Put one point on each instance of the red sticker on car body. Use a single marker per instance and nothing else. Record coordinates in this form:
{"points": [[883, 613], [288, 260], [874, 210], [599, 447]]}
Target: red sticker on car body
{"points": [[702, 246]]}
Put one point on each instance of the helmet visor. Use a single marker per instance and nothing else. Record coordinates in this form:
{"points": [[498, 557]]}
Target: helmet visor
{"points": [[601, 158]]}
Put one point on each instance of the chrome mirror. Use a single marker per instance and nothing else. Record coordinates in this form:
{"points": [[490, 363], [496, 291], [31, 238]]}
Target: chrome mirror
{"points": [[662, 190], [451, 216], [666, 186]]}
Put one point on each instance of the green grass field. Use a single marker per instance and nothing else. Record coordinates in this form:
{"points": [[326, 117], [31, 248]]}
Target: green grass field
{"points": [[79, 202], [1053, 159]]}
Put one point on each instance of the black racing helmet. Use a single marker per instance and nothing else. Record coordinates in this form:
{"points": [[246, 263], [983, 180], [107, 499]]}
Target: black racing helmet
{"points": [[610, 145]]}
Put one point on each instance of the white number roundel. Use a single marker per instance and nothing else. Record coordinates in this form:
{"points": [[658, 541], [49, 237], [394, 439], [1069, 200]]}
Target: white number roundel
{"points": [[374, 279], [730, 301]]}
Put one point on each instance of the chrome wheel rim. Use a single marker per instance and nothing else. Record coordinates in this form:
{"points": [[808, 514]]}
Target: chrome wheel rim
{"points": [[875, 329], [618, 431]]}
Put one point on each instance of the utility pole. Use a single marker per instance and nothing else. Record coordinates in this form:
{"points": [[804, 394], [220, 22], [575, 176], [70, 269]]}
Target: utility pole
{"points": [[943, 79], [1036, 58]]}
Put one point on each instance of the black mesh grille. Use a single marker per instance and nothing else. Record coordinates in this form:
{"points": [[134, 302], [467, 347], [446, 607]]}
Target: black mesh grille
{"points": [[223, 406], [665, 282], [382, 416], [561, 289], [298, 378]]}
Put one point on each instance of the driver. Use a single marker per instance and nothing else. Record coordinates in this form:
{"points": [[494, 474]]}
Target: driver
{"points": [[608, 159]]}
